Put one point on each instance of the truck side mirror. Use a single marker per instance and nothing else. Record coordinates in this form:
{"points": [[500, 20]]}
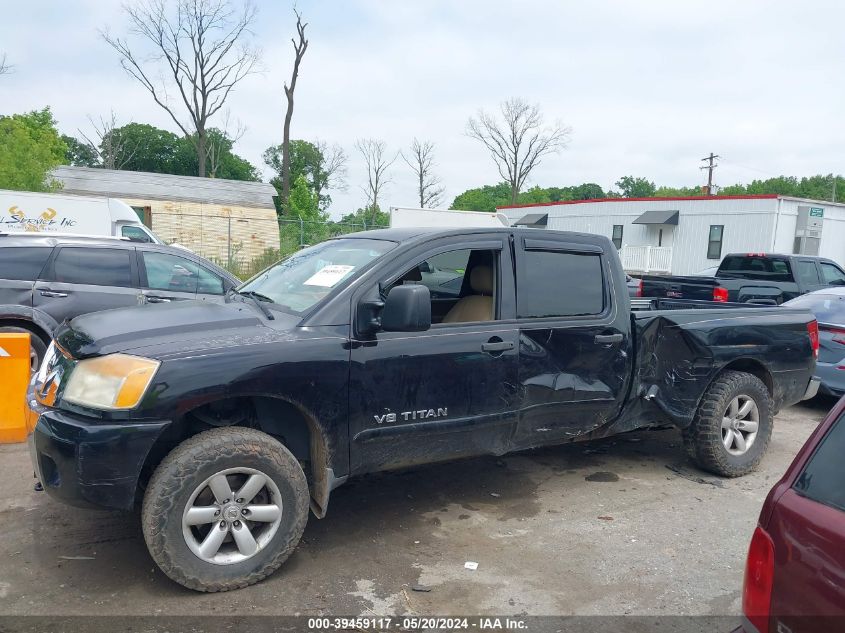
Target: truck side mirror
{"points": [[407, 309]]}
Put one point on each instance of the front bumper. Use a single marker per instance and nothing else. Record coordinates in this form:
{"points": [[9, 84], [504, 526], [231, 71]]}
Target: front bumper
{"points": [[90, 464]]}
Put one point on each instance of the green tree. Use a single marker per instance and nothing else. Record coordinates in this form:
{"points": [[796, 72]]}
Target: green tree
{"points": [[80, 153], [677, 192], [821, 187], [150, 149], [323, 166], [485, 198], [631, 187], [587, 191], [30, 146], [221, 161], [304, 206], [362, 218]]}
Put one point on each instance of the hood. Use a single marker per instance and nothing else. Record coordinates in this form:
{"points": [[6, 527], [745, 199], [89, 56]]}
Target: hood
{"points": [[160, 330]]}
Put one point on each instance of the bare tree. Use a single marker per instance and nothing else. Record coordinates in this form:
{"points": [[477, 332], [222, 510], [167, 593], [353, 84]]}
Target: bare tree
{"points": [[421, 162], [222, 141], [378, 163], [518, 140], [5, 66], [332, 168], [299, 48], [113, 150], [198, 49]]}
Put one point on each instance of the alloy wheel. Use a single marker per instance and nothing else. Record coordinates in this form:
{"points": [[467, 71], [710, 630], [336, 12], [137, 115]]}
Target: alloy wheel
{"points": [[740, 424], [232, 516]]}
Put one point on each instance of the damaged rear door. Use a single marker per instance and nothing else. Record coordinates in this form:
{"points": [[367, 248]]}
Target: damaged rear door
{"points": [[575, 348]]}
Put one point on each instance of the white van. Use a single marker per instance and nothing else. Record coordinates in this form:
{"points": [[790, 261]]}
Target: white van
{"points": [[22, 211], [405, 217]]}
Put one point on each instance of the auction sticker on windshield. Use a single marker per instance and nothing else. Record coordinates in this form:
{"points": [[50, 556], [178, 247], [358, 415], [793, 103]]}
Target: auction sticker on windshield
{"points": [[328, 276]]}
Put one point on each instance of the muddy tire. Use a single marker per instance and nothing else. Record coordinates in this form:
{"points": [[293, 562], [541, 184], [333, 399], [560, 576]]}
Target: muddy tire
{"points": [[37, 347], [732, 426], [224, 509]]}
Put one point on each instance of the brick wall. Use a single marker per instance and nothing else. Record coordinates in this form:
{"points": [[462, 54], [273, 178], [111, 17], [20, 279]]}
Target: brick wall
{"points": [[205, 228]]}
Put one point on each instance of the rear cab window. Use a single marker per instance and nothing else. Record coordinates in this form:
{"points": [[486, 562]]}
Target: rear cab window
{"points": [[23, 263], [824, 475], [755, 267]]}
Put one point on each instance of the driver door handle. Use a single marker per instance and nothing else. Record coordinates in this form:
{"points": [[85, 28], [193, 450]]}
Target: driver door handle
{"points": [[46, 292], [497, 346], [608, 339], [156, 299]]}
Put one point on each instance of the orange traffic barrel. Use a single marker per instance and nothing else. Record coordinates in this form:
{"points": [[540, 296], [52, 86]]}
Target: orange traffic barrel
{"points": [[14, 378]]}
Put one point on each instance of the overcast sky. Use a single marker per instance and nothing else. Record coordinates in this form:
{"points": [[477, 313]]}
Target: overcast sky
{"points": [[648, 87]]}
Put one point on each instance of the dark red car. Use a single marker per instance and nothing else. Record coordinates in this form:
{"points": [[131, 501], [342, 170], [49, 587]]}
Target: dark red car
{"points": [[795, 572]]}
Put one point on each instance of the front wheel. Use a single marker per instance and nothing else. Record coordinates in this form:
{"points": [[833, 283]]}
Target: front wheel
{"points": [[225, 509], [732, 426]]}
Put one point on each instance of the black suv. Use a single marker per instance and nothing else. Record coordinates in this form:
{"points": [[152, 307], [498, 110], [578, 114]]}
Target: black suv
{"points": [[46, 280]]}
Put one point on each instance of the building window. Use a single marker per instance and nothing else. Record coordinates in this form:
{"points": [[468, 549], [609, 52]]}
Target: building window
{"points": [[617, 236], [714, 241]]}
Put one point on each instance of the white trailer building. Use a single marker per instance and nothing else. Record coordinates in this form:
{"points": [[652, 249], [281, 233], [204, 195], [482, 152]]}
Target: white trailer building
{"points": [[683, 236]]}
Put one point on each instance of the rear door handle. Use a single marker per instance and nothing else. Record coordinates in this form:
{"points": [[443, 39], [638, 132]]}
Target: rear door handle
{"points": [[608, 339], [497, 346], [156, 299], [46, 292]]}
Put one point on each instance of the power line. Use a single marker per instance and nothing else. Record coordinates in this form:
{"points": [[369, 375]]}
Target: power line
{"points": [[762, 171], [711, 165]]}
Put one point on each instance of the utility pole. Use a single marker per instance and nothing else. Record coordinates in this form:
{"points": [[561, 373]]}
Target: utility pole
{"points": [[711, 165]]}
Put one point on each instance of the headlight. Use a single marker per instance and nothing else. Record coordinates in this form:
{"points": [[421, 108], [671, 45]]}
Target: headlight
{"points": [[116, 381]]}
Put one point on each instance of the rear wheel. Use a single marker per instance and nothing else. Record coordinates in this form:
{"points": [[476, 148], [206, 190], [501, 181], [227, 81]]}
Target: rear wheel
{"points": [[37, 348], [733, 425], [225, 509]]}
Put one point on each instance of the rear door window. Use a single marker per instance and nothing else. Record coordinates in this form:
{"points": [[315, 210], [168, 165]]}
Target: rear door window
{"points": [[560, 284], [806, 272], [23, 263], [823, 479], [94, 266]]}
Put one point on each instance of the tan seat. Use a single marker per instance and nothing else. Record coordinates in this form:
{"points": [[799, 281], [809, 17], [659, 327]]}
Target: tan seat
{"points": [[478, 306]]}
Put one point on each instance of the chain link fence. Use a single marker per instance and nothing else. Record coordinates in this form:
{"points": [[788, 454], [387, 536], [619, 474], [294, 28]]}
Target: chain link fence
{"points": [[246, 244]]}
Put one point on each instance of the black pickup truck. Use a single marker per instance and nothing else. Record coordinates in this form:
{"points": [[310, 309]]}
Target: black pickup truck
{"points": [[224, 421], [750, 278]]}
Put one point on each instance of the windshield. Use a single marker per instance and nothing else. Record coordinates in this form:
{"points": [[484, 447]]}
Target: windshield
{"points": [[827, 308], [300, 281]]}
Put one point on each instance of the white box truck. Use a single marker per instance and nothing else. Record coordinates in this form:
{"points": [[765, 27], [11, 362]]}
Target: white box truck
{"points": [[404, 217], [60, 214]]}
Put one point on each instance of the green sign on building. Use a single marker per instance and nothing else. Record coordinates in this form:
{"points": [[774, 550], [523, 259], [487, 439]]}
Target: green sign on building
{"points": [[816, 212]]}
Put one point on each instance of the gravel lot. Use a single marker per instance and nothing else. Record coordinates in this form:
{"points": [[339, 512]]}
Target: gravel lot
{"points": [[620, 526]]}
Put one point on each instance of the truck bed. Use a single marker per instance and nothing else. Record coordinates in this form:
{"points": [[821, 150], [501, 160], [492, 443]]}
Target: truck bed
{"points": [[681, 343]]}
